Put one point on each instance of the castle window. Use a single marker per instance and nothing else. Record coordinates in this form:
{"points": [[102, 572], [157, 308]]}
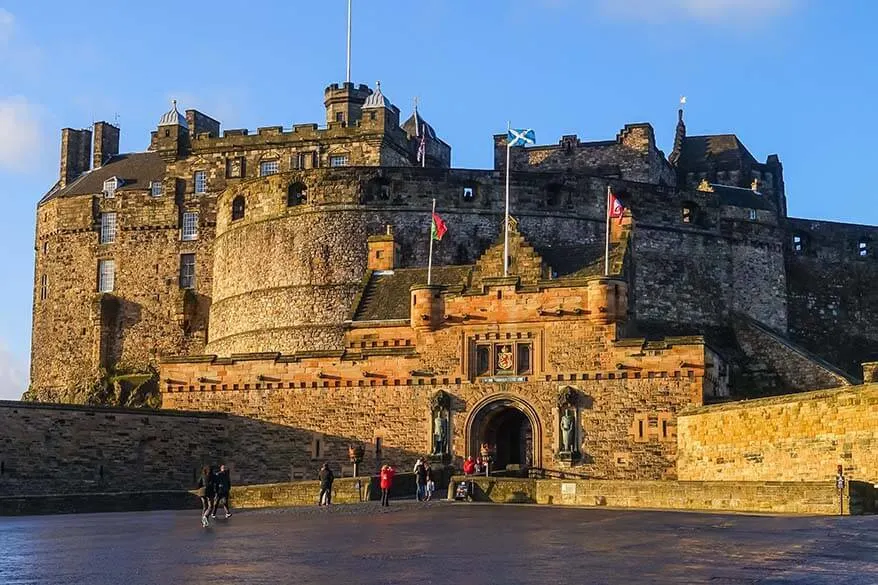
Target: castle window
{"points": [[483, 360], [752, 214], [469, 193], [553, 195], [45, 247], [190, 226], [110, 186], [338, 160], [106, 275], [523, 365], [296, 194], [44, 287], [798, 243], [155, 188], [238, 204], [108, 227], [688, 212], [268, 167], [200, 182], [373, 115], [863, 248], [339, 117], [297, 161], [187, 270]]}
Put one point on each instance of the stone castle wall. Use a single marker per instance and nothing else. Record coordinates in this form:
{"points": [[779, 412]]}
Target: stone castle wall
{"points": [[801, 437]]}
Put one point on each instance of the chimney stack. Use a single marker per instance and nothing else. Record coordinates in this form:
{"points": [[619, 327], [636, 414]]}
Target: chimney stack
{"points": [[106, 143], [75, 160]]}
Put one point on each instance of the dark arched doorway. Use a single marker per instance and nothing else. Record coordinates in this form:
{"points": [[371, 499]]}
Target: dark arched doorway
{"points": [[510, 426]]}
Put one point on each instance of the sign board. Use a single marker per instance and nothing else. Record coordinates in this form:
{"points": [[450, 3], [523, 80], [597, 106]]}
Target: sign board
{"points": [[501, 379]]}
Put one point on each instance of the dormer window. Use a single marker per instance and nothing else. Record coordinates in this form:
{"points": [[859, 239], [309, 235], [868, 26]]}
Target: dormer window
{"points": [[155, 188], [110, 186], [863, 248]]}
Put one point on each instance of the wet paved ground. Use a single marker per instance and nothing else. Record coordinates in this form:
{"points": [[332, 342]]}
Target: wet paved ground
{"points": [[440, 543]]}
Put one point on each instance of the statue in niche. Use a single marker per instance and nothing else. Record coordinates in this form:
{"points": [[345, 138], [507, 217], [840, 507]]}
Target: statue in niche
{"points": [[568, 423], [440, 434], [440, 409]]}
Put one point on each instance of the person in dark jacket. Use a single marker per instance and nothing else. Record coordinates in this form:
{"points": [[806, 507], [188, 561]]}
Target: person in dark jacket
{"points": [[326, 478], [431, 484], [207, 492], [223, 482], [421, 479]]}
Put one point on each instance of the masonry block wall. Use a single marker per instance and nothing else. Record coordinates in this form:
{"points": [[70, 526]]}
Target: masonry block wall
{"points": [[800, 437]]}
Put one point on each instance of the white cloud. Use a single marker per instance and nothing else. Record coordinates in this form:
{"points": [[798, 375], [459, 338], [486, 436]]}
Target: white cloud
{"points": [[13, 375], [21, 136], [7, 22], [707, 11]]}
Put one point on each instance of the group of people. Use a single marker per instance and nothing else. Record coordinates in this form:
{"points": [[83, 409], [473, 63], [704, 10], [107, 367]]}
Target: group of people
{"points": [[424, 480], [213, 489], [473, 466]]}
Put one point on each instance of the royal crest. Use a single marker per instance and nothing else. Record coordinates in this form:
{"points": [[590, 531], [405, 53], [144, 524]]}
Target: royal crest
{"points": [[504, 358]]}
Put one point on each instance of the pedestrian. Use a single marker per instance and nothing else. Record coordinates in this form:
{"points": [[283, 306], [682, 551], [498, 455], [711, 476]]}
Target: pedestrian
{"points": [[469, 466], [206, 491], [223, 490], [420, 479], [387, 474], [431, 485], [326, 478]]}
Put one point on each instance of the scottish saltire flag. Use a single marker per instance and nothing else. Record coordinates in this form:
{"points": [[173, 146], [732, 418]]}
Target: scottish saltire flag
{"points": [[521, 137]]}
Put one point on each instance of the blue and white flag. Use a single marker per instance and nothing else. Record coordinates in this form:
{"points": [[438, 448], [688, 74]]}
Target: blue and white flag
{"points": [[521, 137]]}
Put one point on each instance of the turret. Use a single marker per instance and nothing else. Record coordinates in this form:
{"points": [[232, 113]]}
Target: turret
{"points": [[428, 307], [171, 139], [383, 251], [608, 300], [344, 103]]}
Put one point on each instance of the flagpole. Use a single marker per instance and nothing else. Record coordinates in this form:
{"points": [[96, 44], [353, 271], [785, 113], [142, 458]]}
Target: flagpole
{"points": [[430, 261], [506, 221], [607, 250], [349, 42]]}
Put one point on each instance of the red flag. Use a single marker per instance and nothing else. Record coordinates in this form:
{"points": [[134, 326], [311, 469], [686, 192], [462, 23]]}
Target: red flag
{"points": [[616, 209], [438, 228]]}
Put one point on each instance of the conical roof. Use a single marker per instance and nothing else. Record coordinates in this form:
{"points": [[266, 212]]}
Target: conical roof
{"points": [[173, 117]]}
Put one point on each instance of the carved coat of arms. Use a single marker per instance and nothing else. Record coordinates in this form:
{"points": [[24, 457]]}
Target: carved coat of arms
{"points": [[504, 358]]}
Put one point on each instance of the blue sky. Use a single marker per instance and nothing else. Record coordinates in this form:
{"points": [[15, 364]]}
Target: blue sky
{"points": [[793, 77]]}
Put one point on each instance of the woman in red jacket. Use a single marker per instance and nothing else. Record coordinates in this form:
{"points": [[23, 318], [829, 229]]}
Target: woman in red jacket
{"points": [[469, 466], [387, 473]]}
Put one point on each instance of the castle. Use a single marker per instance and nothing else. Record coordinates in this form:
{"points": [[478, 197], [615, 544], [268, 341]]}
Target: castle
{"points": [[282, 276]]}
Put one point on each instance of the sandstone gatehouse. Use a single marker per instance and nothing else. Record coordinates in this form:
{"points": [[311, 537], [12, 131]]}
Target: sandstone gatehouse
{"points": [[281, 276]]}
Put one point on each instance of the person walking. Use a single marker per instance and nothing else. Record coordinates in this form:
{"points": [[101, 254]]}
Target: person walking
{"points": [[326, 478], [420, 479], [386, 483], [223, 490], [431, 485], [206, 491]]}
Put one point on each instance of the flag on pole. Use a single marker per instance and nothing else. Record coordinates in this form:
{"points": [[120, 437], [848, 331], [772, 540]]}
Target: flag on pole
{"points": [[438, 227], [616, 209], [520, 137]]}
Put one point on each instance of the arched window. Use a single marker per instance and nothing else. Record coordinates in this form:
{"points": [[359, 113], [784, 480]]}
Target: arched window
{"points": [[238, 208], [296, 194]]}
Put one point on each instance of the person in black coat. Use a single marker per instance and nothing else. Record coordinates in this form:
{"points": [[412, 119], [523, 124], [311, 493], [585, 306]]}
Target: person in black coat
{"points": [[326, 478], [223, 488], [207, 492]]}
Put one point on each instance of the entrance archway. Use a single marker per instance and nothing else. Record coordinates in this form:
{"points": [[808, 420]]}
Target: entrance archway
{"points": [[511, 426]]}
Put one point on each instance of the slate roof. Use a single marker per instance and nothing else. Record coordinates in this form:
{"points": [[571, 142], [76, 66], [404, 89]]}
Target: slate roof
{"points": [[575, 261], [136, 170], [409, 127], [721, 150], [387, 295]]}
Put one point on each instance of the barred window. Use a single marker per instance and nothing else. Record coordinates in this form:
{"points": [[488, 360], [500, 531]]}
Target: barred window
{"points": [[106, 275], [268, 167], [200, 182], [108, 227], [155, 188], [187, 270], [238, 207], [190, 226], [44, 287], [339, 160]]}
